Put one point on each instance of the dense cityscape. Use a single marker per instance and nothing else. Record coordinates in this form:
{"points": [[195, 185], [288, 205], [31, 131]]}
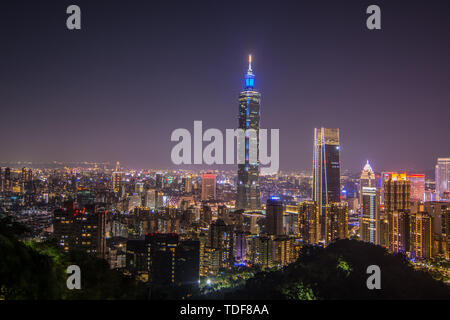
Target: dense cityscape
{"points": [[209, 230], [216, 159]]}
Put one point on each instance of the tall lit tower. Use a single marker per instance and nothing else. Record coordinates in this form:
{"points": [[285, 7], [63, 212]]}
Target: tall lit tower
{"points": [[367, 179], [326, 171], [248, 192]]}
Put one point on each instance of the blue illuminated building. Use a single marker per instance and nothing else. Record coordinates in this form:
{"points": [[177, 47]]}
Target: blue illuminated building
{"points": [[248, 190]]}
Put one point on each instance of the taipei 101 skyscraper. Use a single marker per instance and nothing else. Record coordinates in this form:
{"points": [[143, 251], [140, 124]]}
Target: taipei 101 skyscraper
{"points": [[248, 191]]}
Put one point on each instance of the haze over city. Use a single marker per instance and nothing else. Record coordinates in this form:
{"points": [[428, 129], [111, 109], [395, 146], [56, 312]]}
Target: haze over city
{"points": [[116, 89]]}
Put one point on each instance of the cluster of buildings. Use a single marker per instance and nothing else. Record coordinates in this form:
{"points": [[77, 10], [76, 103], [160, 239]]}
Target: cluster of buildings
{"points": [[395, 215], [171, 228]]}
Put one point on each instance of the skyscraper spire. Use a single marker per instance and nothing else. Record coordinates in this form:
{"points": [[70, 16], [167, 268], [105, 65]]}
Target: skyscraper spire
{"points": [[367, 167], [249, 77]]}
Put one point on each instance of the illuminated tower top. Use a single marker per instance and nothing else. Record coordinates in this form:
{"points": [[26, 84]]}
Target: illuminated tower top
{"points": [[367, 167], [249, 76], [367, 173]]}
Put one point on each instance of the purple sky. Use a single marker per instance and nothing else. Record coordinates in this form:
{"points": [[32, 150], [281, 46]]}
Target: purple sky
{"points": [[138, 70]]}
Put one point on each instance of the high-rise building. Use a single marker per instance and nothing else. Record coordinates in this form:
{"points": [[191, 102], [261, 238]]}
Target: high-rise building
{"points": [[399, 231], [271, 251], [187, 267], [274, 217], [206, 214], [188, 184], [208, 187], [74, 183], [248, 190], [134, 201], [397, 196], [417, 182], [383, 177], [308, 215], [139, 187], [26, 185], [204, 254], [445, 233], [443, 179], [7, 183], [136, 259], [326, 171], [440, 214], [367, 179], [240, 247], [161, 251], [369, 220], [159, 181], [336, 221], [283, 250], [85, 197], [291, 221], [384, 231], [421, 238], [81, 228], [153, 199], [171, 261], [223, 212], [221, 241], [264, 252], [116, 181], [397, 192], [26, 175]]}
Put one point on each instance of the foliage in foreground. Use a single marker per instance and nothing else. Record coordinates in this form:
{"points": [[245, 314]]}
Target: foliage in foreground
{"points": [[339, 272], [30, 270]]}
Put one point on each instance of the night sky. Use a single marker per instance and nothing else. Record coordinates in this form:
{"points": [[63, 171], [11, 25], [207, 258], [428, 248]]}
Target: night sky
{"points": [[137, 70]]}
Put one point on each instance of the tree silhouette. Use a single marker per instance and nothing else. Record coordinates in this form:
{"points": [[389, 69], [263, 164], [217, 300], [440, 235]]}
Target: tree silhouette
{"points": [[30, 270], [339, 272]]}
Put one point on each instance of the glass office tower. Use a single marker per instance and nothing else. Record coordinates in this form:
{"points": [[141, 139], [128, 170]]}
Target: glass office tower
{"points": [[326, 170], [443, 179], [248, 191], [369, 221]]}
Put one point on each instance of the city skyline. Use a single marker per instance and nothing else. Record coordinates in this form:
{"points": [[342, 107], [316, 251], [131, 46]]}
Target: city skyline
{"points": [[195, 154], [107, 92]]}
